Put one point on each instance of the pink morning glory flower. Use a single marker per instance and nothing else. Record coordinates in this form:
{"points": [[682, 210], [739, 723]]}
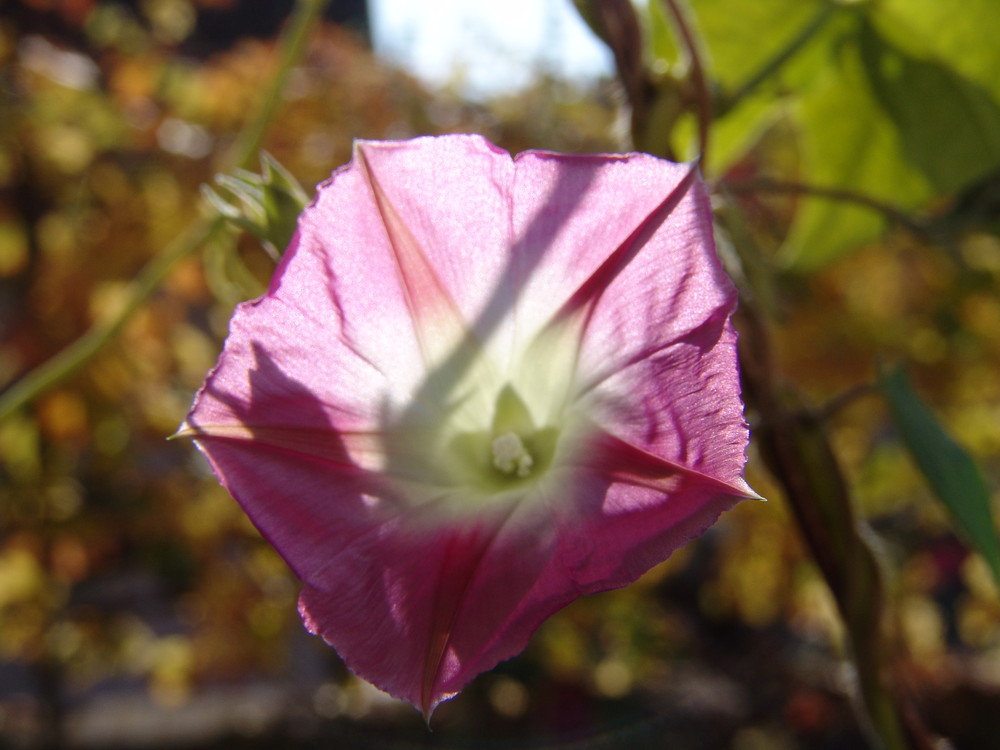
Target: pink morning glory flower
{"points": [[478, 388]]}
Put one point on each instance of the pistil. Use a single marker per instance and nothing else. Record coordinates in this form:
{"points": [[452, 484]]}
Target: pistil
{"points": [[510, 456]]}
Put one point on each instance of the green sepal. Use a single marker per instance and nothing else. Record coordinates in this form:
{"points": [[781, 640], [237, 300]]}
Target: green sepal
{"points": [[267, 205]]}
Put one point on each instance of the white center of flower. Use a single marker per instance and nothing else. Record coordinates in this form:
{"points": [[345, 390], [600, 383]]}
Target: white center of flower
{"points": [[510, 455]]}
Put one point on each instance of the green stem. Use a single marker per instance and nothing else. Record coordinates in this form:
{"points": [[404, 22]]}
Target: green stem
{"points": [[293, 46], [793, 443], [775, 64], [243, 154], [74, 356], [703, 96]]}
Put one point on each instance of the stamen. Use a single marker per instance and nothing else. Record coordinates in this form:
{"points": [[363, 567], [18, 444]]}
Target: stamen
{"points": [[510, 455]]}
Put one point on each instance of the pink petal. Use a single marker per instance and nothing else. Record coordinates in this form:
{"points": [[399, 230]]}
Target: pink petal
{"points": [[680, 404], [574, 214], [429, 604], [454, 250]]}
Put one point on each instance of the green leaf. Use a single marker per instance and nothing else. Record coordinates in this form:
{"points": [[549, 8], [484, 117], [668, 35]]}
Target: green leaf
{"points": [[738, 54], [961, 34], [661, 43], [848, 143], [886, 126], [949, 469], [751, 73], [742, 42], [949, 125]]}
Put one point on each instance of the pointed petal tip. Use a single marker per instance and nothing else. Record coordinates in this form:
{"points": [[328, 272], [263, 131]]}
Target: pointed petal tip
{"points": [[192, 431], [186, 430], [741, 491], [745, 491], [427, 710]]}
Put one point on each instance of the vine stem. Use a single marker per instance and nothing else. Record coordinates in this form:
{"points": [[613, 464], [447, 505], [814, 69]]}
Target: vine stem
{"points": [[703, 96], [827, 410], [243, 154], [765, 185]]}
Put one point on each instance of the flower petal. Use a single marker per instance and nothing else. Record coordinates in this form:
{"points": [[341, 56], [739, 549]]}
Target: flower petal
{"points": [[575, 215], [438, 325], [681, 404], [673, 290], [457, 245], [428, 605], [459, 598]]}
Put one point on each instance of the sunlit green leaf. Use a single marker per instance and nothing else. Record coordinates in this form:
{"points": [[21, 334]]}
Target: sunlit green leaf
{"points": [[736, 45], [961, 34], [848, 143], [750, 71], [950, 471], [661, 41], [949, 126], [886, 126], [735, 134]]}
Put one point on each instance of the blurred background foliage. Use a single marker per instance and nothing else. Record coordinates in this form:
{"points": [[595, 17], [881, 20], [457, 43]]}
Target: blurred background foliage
{"points": [[855, 153]]}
